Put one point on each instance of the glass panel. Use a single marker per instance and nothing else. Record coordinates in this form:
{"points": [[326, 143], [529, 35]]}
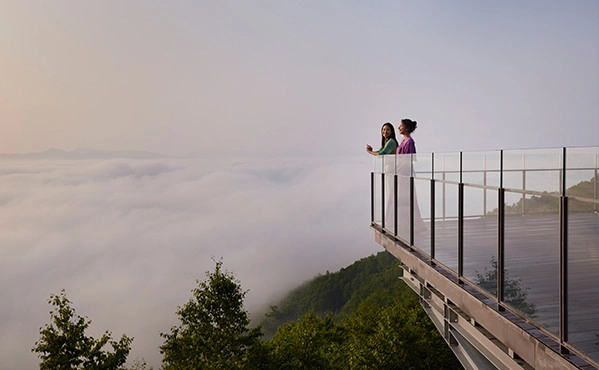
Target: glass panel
{"points": [[474, 201], [532, 246], [536, 170], [404, 165], [542, 180], [446, 224], [582, 180], [423, 198], [582, 158], [480, 248], [423, 166], [377, 198], [422, 214], [583, 283], [389, 204], [481, 168], [583, 251], [447, 166], [377, 164]]}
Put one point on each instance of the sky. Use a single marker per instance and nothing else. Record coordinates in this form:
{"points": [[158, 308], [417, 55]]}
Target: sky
{"points": [[262, 110], [308, 78]]}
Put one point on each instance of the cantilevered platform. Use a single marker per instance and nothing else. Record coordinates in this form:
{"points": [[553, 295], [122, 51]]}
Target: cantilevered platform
{"points": [[517, 287]]}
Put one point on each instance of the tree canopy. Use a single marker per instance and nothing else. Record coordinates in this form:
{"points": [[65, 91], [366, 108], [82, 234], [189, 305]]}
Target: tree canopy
{"points": [[214, 328], [63, 344]]}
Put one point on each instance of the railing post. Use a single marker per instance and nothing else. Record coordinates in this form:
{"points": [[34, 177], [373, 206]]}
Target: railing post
{"points": [[433, 193], [563, 267], [563, 261], [372, 198], [395, 204], [432, 220], [500, 237], [500, 247], [383, 197], [411, 210], [460, 225], [460, 230]]}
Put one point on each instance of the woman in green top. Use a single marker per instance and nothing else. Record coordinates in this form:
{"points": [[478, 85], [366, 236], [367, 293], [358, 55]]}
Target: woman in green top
{"points": [[388, 141], [388, 148]]}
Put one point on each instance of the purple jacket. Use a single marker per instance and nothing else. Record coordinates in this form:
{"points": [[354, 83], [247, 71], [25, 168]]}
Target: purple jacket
{"points": [[407, 146]]}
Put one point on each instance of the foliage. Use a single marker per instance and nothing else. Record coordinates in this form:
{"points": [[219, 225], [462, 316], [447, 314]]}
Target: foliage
{"points": [[64, 345], [139, 365], [308, 343], [337, 293], [376, 322], [213, 331], [380, 326], [397, 336], [514, 294]]}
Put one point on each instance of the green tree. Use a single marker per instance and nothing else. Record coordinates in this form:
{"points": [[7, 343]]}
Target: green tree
{"points": [[214, 329], [308, 343], [399, 336], [63, 344]]}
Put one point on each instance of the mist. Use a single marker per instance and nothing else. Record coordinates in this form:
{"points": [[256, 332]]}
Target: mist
{"points": [[128, 238]]}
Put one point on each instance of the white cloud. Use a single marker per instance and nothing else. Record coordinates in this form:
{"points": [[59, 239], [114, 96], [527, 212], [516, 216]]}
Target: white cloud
{"points": [[128, 238]]}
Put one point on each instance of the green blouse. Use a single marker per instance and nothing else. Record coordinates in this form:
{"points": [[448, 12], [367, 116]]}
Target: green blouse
{"points": [[389, 148]]}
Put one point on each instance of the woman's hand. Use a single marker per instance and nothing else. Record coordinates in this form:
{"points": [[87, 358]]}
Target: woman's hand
{"points": [[368, 148]]}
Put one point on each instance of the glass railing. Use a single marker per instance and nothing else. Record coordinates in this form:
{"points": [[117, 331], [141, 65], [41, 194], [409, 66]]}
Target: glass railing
{"points": [[522, 225]]}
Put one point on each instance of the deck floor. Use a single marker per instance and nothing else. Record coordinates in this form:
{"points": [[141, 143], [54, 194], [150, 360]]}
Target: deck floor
{"points": [[532, 263]]}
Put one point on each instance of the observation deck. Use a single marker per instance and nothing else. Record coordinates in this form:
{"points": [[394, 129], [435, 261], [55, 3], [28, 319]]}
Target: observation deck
{"points": [[502, 248]]}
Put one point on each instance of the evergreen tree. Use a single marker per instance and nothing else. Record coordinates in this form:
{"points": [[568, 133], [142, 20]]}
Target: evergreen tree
{"points": [[63, 344], [213, 332]]}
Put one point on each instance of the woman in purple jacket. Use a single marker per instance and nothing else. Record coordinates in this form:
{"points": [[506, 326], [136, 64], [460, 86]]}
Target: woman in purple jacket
{"points": [[405, 170], [407, 145]]}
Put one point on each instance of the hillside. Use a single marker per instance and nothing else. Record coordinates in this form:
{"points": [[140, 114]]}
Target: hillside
{"points": [[363, 316], [340, 293]]}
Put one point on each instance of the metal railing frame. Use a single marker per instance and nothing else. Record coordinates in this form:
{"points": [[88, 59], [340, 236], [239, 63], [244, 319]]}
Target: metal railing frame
{"points": [[563, 219]]}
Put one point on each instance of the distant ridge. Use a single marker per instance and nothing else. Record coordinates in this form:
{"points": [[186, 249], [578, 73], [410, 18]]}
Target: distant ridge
{"points": [[83, 153]]}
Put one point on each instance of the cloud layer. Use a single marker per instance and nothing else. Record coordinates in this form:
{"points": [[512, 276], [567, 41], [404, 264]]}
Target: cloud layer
{"points": [[128, 238]]}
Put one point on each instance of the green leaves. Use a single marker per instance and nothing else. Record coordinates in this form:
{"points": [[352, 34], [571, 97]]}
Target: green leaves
{"points": [[64, 345], [362, 317], [214, 328], [308, 343]]}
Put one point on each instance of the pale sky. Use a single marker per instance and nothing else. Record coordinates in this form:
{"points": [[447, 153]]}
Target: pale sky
{"points": [[315, 77]]}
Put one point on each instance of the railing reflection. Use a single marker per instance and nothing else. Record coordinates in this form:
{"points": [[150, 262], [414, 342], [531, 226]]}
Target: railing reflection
{"points": [[522, 225]]}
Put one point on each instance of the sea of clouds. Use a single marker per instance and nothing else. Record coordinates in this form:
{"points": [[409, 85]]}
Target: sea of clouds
{"points": [[128, 238]]}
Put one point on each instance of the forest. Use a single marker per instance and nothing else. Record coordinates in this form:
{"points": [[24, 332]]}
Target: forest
{"points": [[361, 317]]}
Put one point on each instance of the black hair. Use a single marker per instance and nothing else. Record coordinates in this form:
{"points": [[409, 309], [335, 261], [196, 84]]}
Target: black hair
{"points": [[409, 125], [390, 137]]}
